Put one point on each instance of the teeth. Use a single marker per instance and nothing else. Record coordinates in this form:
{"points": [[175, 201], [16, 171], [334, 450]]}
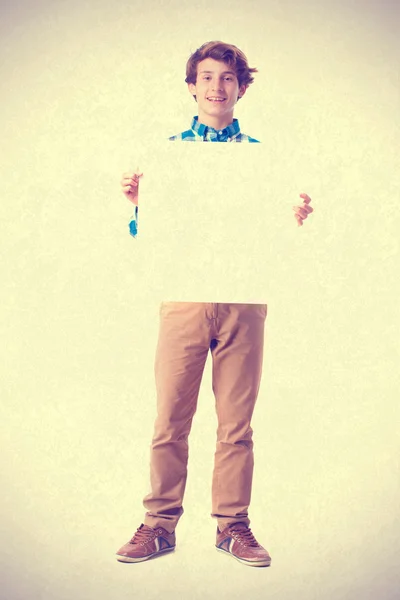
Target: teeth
{"points": [[217, 99]]}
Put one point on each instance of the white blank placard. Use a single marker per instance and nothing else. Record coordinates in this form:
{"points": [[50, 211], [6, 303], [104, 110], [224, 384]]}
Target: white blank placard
{"points": [[211, 223]]}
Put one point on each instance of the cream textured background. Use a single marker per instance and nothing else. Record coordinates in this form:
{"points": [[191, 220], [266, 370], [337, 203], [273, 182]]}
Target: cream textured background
{"points": [[80, 84]]}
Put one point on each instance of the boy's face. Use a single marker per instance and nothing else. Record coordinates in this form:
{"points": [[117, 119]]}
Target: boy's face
{"points": [[216, 91]]}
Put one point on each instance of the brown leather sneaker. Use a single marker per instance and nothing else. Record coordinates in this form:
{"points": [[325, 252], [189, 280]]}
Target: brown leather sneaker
{"points": [[238, 540], [147, 543]]}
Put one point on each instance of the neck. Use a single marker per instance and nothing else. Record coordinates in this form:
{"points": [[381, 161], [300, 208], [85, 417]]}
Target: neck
{"points": [[215, 122]]}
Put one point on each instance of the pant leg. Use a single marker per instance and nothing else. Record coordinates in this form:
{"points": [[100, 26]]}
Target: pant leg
{"points": [[183, 345], [236, 374]]}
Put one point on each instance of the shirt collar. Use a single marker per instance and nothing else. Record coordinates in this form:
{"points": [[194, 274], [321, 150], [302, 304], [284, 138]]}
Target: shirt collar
{"points": [[218, 135]]}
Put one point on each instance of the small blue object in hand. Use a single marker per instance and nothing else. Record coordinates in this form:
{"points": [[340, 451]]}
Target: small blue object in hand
{"points": [[133, 228], [133, 223]]}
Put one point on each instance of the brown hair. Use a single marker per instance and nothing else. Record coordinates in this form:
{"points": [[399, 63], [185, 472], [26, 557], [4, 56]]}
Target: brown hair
{"points": [[227, 53]]}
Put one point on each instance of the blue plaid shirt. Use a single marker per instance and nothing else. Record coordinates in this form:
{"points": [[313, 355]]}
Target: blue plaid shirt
{"points": [[202, 133]]}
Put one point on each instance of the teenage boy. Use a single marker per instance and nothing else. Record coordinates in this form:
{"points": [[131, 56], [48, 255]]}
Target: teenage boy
{"points": [[217, 75]]}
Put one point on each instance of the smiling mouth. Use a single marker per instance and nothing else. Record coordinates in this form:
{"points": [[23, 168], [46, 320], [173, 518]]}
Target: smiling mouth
{"points": [[216, 99]]}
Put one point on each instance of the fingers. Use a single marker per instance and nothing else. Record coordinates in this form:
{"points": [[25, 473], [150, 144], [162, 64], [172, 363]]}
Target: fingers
{"points": [[129, 189], [131, 178], [299, 220], [130, 182], [306, 198], [303, 211]]}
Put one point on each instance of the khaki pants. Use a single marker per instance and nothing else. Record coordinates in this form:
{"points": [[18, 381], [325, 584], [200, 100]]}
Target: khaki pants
{"points": [[235, 335]]}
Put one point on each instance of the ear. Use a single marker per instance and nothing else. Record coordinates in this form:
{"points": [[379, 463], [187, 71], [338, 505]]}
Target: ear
{"points": [[192, 88], [242, 90]]}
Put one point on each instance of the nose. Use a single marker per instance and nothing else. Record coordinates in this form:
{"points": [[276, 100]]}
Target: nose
{"points": [[216, 86]]}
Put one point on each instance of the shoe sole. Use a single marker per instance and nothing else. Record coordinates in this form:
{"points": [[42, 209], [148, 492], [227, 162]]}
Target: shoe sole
{"points": [[249, 563], [129, 559]]}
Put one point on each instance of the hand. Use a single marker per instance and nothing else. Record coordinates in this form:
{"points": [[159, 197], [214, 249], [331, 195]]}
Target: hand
{"points": [[130, 186], [302, 212]]}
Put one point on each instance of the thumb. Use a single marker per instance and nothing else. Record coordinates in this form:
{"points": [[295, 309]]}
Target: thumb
{"points": [[306, 198]]}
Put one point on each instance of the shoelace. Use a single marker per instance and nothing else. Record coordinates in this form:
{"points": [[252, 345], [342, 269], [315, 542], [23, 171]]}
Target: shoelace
{"points": [[244, 536], [143, 534]]}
